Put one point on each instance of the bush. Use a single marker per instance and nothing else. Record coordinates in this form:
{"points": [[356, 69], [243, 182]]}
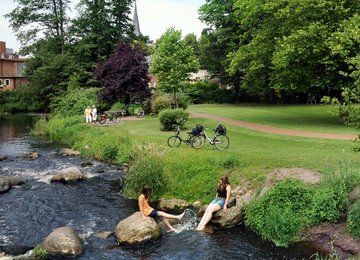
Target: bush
{"points": [[328, 202], [281, 213], [160, 103], [118, 106], [147, 167], [353, 225], [110, 152], [168, 118]]}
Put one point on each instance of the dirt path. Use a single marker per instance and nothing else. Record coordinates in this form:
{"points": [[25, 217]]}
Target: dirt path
{"points": [[275, 130]]}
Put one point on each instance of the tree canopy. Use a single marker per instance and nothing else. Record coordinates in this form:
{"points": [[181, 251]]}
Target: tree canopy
{"points": [[124, 76], [172, 61]]}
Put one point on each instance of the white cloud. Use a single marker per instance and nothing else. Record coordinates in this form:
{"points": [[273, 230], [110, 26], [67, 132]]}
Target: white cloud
{"points": [[155, 16]]}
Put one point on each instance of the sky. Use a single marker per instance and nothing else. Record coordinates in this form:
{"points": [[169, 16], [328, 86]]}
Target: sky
{"points": [[155, 16]]}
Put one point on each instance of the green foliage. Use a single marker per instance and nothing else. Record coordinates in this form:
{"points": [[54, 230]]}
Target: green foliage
{"points": [[172, 61], [147, 167], [118, 106], [20, 100], [39, 253], [353, 225], [170, 117], [280, 214], [75, 100], [110, 152], [328, 202], [231, 162], [160, 103], [206, 92]]}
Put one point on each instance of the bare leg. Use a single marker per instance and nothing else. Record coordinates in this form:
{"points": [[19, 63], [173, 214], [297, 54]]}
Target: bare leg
{"points": [[166, 215], [208, 215], [166, 221]]}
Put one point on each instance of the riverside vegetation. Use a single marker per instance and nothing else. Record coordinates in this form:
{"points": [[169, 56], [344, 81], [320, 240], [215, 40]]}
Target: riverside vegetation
{"points": [[190, 174]]}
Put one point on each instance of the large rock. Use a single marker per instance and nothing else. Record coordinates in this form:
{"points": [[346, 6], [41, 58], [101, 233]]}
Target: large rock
{"points": [[68, 175], [6, 182], [165, 204], [135, 230], [233, 216], [63, 241], [68, 152], [3, 158]]}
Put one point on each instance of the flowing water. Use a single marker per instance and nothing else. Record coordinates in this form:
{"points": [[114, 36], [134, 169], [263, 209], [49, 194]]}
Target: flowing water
{"points": [[29, 213]]}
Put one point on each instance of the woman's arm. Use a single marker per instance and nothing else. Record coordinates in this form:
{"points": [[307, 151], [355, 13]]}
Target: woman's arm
{"points": [[228, 192], [140, 203]]}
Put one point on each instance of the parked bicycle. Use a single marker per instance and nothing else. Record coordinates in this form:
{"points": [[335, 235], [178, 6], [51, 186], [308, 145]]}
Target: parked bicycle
{"points": [[176, 140], [219, 138], [113, 116]]}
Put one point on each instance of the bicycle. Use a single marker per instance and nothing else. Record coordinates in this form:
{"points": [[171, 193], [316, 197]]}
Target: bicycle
{"points": [[114, 116], [176, 140], [219, 139]]}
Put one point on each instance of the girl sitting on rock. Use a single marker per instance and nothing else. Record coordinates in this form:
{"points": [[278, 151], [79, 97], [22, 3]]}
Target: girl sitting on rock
{"points": [[220, 202], [147, 211]]}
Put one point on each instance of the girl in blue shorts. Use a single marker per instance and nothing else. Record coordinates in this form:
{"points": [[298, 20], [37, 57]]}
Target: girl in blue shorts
{"points": [[220, 202]]}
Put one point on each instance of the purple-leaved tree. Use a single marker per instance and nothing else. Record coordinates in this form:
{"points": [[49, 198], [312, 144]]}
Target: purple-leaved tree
{"points": [[124, 76]]}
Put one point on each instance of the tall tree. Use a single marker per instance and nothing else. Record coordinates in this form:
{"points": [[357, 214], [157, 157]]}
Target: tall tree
{"points": [[36, 19], [285, 44], [220, 38], [124, 76], [172, 61]]}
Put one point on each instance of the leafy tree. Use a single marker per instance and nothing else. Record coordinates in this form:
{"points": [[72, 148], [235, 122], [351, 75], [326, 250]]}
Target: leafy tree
{"points": [[35, 19], [124, 76], [191, 40], [284, 45], [219, 40], [172, 61]]}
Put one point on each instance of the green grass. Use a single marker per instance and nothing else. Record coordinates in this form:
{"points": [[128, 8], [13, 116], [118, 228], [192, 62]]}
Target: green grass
{"points": [[317, 118], [192, 174]]}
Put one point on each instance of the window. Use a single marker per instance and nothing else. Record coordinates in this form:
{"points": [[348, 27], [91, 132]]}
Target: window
{"points": [[7, 82], [1, 83]]}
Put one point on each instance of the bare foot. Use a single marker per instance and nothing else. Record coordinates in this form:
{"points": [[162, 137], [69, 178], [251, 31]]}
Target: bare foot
{"points": [[199, 229], [172, 230], [181, 215]]}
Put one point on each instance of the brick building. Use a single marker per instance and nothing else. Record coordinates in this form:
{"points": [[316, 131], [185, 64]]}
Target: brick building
{"points": [[11, 69]]}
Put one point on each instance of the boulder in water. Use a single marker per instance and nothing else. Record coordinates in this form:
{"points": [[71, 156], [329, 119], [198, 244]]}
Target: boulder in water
{"points": [[68, 175], [6, 182], [3, 157], [68, 152], [63, 241], [135, 230], [173, 204]]}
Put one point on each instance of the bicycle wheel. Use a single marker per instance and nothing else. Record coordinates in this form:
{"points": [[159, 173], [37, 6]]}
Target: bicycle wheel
{"points": [[102, 120], [221, 142], [174, 141], [197, 141]]}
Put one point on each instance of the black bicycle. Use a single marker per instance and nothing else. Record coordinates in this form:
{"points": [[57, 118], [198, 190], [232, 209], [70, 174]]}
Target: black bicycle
{"points": [[176, 140]]}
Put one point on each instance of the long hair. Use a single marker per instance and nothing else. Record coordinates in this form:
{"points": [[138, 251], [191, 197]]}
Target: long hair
{"points": [[146, 190], [224, 182]]}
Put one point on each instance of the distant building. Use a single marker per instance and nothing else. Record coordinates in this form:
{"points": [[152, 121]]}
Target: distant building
{"points": [[11, 69]]}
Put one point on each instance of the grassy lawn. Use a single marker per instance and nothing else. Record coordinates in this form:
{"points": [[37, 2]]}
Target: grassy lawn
{"points": [[192, 174], [315, 118], [253, 154]]}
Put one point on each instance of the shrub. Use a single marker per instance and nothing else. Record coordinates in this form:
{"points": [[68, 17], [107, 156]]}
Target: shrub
{"points": [[110, 152], [168, 118], [280, 214], [117, 106], [353, 225], [39, 253], [147, 167], [160, 103], [328, 202]]}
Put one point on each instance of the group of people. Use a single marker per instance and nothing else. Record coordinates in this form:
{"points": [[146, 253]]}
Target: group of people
{"points": [[90, 114], [220, 202]]}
